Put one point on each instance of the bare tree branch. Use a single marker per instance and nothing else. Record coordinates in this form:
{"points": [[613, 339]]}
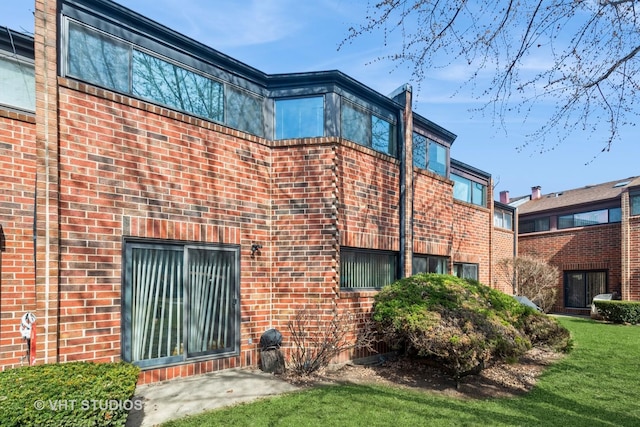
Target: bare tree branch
{"points": [[584, 56]]}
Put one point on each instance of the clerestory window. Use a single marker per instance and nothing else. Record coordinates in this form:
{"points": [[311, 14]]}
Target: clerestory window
{"points": [[362, 127], [300, 117], [430, 155], [101, 59]]}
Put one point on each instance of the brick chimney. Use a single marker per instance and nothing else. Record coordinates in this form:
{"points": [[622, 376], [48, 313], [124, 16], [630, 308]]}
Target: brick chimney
{"points": [[536, 192], [504, 197]]}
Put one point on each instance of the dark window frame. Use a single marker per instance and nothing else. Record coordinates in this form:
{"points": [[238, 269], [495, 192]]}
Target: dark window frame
{"points": [[215, 76], [458, 178], [348, 272], [458, 270], [367, 119], [183, 355], [503, 214], [421, 147], [572, 220], [634, 203], [278, 136], [430, 260], [524, 223], [26, 67], [587, 298]]}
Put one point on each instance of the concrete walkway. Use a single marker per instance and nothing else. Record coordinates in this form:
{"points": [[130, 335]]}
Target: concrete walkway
{"points": [[180, 397]]}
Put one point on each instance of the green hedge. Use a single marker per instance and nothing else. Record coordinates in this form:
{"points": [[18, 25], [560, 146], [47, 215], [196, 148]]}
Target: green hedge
{"points": [[68, 394], [619, 311]]}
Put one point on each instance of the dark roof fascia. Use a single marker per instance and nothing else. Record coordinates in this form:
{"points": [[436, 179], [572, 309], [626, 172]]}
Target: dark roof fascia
{"points": [[121, 16], [576, 207], [633, 188], [332, 77], [504, 206], [456, 164], [438, 130], [16, 43], [136, 23]]}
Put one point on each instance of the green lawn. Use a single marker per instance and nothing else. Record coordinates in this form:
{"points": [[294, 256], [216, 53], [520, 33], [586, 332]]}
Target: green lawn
{"points": [[598, 384]]}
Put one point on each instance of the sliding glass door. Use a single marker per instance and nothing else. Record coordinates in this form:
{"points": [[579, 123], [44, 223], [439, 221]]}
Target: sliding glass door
{"points": [[179, 302]]}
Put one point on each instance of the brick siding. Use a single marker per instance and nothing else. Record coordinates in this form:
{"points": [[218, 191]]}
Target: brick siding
{"points": [[588, 248], [101, 166], [17, 268], [503, 247]]}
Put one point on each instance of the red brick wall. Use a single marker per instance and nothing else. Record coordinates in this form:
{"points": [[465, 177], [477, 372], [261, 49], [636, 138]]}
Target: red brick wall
{"points": [[503, 246], [369, 198], [590, 248], [447, 227], [472, 229], [433, 211], [121, 167], [17, 270], [633, 255], [128, 168], [328, 193], [304, 264], [368, 215], [47, 183]]}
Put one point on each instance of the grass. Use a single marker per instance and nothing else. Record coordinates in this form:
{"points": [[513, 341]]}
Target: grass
{"points": [[595, 385]]}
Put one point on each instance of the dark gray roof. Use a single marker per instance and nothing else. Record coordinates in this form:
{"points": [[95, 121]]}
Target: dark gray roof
{"points": [[579, 196]]}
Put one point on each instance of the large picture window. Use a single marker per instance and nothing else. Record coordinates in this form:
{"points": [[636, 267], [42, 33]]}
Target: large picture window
{"points": [[581, 286], [300, 117], [582, 219], [469, 191], [364, 128], [98, 58], [362, 268], [243, 111], [176, 87], [430, 155], [103, 60], [179, 302], [18, 83]]}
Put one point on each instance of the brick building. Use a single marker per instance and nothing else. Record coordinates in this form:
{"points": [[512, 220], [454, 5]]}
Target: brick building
{"points": [[165, 204], [592, 234]]}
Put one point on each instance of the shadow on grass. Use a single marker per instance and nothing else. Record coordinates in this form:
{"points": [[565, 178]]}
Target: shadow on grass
{"points": [[355, 405], [595, 386]]}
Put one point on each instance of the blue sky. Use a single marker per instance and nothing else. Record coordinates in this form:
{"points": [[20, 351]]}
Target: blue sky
{"points": [[286, 36]]}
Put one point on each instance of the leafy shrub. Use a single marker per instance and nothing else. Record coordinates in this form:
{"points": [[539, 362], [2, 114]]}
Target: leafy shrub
{"points": [[67, 394], [545, 331], [462, 325], [619, 311]]}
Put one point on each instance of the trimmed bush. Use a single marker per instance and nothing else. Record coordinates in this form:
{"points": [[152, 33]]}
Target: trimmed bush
{"points": [[461, 325], [619, 311], [544, 331], [67, 394]]}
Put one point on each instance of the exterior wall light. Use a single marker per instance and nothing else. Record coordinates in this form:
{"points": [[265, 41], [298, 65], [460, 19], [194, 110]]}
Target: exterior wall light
{"points": [[255, 247]]}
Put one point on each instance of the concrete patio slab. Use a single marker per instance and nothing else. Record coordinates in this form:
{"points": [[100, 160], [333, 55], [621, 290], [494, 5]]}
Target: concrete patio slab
{"points": [[180, 397]]}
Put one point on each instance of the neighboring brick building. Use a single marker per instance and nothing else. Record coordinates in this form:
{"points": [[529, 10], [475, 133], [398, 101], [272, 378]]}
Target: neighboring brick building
{"points": [[165, 204], [592, 234]]}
